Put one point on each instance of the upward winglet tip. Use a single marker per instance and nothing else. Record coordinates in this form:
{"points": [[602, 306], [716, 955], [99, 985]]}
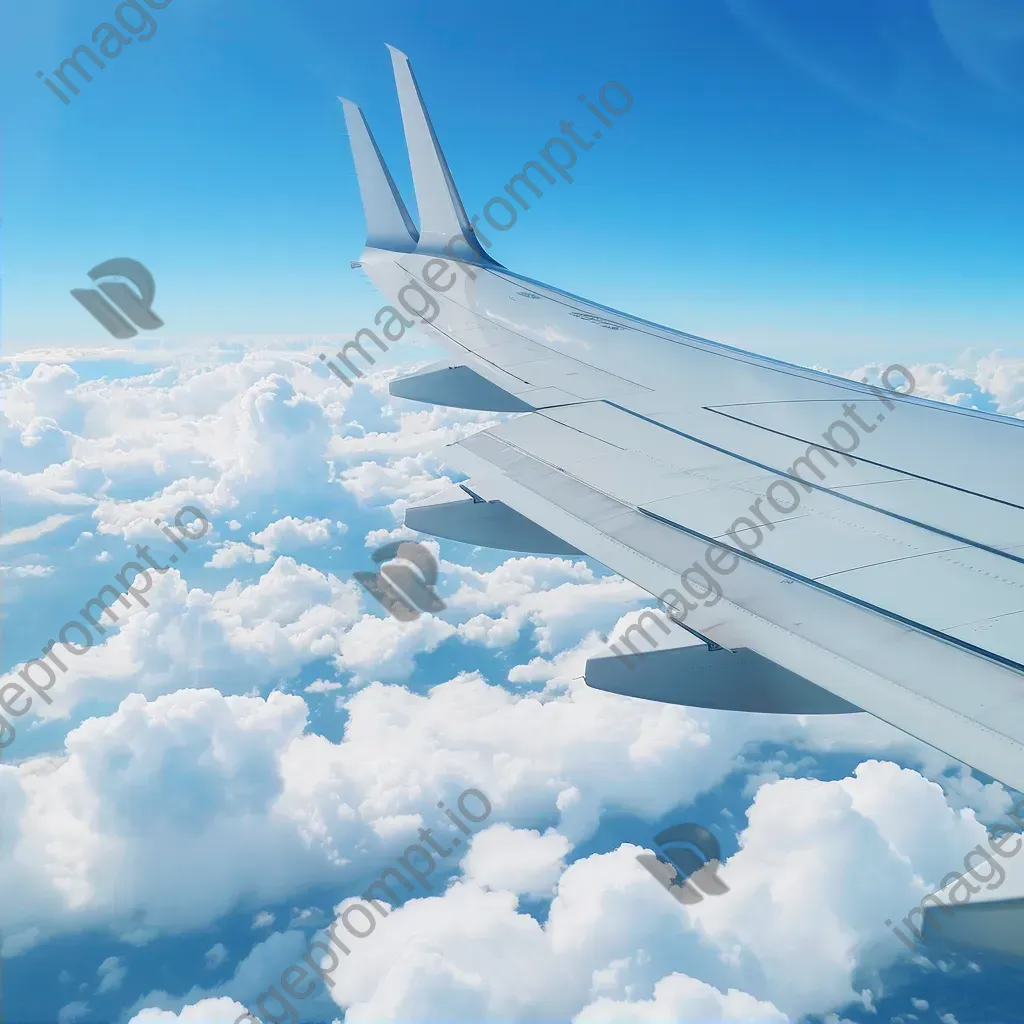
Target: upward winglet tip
{"points": [[388, 224], [396, 52]]}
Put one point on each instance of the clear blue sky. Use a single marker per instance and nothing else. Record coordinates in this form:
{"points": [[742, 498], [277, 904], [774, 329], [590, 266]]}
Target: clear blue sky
{"points": [[828, 182]]}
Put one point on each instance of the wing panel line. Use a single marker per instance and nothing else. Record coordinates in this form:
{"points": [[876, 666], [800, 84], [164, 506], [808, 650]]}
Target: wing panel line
{"points": [[870, 462], [979, 545], [860, 602]]}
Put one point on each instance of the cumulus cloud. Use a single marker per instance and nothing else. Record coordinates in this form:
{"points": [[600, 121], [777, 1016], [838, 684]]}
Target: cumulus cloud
{"points": [[215, 956], [820, 866], [322, 686], [376, 538], [232, 793], [241, 636], [111, 974], [237, 552], [610, 934], [520, 860], [72, 1012], [559, 598], [29, 571], [411, 478], [384, 648], [993, 383], [678, 997], [170, 780], [289, 533], [248, 983], [221, 1010]]}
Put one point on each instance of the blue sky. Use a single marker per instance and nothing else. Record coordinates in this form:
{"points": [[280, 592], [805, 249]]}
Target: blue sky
{"points": [[837, 185], [823, 182]]}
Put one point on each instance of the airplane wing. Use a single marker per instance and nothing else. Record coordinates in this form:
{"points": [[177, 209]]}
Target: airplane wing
{"points": [[836, 547]]}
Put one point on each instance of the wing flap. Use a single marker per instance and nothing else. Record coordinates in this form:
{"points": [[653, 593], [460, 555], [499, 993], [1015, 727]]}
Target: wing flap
{"points": [[458, 514], [725, 680], [459, 387]]}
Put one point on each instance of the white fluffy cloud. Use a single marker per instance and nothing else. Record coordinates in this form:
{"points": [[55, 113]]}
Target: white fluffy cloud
{"points": [[216, 955], [176, 804], [111, 974], [207, 1011], [384, 648], [678, 997], [561, 599], [229, 792], [821, 866], [287, 534], [993, 383], [232, 793], [73, 1011], [520, 860], [242, 636], [290, 532]]}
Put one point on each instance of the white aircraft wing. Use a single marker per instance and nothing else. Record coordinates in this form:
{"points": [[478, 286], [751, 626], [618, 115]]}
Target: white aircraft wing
{"points": [[837, 547]]}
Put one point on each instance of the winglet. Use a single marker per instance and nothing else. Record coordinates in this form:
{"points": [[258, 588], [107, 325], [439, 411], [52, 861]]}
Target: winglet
{"points": [[442, 215], [388, 224]]}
